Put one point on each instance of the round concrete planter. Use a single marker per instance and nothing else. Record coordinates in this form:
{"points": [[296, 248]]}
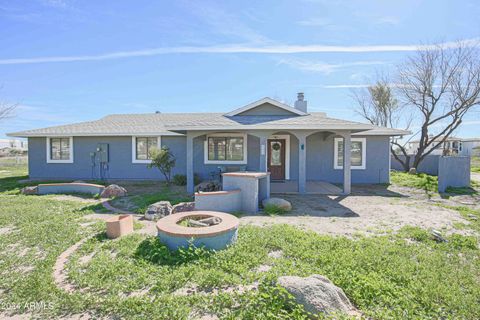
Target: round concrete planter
{"points": [[216, 237]]}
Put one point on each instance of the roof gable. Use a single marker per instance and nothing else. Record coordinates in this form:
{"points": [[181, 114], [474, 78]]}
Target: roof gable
{"points": [[266, 107]]}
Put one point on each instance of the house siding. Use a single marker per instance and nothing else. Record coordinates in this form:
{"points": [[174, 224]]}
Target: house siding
{"points": [[320, 166], [120, 159], [319, 159]]}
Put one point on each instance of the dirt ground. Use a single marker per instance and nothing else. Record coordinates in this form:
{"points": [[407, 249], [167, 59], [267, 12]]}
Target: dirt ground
{"points": [[475, 176], [370, 209]]}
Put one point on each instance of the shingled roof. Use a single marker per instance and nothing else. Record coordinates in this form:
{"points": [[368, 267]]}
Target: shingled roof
{"points": [[177, 123], [173, 123]]}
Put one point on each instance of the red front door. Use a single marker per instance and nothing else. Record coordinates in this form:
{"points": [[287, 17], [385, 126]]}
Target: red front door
{"points": [[276, 158]]}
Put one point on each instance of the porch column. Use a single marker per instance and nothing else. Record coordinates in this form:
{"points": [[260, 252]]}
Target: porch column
{"points": [[263, 153], [302, 163], [347, 179], [190, 183]]}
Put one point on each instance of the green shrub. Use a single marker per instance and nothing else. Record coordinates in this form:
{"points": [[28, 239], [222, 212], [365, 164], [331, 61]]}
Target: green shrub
{"points": [[414, 233], [463, 242], [274, 210], [180, 179], [420, 180], [164, 160], [196, 179]]}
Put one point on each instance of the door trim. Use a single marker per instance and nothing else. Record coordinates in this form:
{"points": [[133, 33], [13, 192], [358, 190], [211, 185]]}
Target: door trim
{"points": [[287, 152]]}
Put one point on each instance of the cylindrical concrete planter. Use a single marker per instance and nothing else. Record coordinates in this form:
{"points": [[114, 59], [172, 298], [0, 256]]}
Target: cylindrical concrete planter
{"points": [[119, 226], [216, 237]]}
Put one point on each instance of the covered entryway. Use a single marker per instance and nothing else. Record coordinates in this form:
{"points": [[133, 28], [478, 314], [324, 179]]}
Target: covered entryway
{"points": [[276, 159]]}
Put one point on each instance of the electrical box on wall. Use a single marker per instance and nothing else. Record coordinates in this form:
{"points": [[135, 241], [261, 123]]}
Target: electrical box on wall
{"points": [[102, 152]]}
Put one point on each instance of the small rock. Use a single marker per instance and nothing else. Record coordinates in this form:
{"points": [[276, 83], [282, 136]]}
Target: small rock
{"points": [[158, 210], [183, 207], [263, 268], [275, 254], [113, 190], [437, 236], [278, 202], [29, 190], [412, 171], [318, 294], [472, 216]]}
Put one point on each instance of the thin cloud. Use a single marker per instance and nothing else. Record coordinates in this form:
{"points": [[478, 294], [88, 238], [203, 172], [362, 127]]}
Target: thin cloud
{"points": [[346, 86], [226, 49], [324, 67], [314, 22]]}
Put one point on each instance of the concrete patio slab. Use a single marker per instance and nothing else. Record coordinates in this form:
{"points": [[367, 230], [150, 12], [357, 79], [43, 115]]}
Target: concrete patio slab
{"points": [[313, 187]]}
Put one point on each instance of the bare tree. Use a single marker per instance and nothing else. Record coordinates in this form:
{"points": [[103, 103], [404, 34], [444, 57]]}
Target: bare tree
{"points": [[378, 105], [439, 85], [6, 110]]}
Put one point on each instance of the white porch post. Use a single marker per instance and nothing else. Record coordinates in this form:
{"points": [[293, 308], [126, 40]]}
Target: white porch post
{"points": [[347, 179], [302, 163], [263, 153], [190, 183]]}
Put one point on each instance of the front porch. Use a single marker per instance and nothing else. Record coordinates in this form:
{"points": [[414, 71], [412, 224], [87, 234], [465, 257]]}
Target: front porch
{"points": [[256, 152], [312, 187]]}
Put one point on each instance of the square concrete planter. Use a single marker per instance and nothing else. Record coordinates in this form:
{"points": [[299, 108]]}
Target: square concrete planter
{"points": [[119, 226]]}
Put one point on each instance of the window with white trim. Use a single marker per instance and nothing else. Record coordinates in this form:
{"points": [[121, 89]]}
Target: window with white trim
{"points": [[142, 148], [60, 150], [226, 148], [358, 153]]}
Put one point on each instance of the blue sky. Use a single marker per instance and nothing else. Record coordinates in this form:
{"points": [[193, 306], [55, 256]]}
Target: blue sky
{"points": [[68, 61]]}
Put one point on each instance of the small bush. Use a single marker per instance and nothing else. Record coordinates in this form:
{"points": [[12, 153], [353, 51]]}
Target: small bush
{"points": [[196, 179], [180, 179], [415, 233], [463, 242], [274, 210]]}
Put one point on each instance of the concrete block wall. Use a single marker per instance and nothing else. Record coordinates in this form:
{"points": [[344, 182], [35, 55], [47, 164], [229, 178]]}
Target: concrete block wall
{"points": [[429, 165], [224, 201], [453, 172]]}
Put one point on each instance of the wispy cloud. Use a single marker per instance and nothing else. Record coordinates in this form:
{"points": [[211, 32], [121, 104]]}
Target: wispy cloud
{"points": [[324, 67], [226, 49], [54, 3], [346, 86], [315, 22], [223, 22], [388, 20]]}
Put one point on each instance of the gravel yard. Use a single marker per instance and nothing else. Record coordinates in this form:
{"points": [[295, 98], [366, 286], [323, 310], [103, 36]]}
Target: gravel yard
{"points": [[371, 209]]}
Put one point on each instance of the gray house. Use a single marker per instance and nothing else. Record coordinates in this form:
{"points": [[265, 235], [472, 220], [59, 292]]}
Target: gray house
{"points": [[300, 149]]}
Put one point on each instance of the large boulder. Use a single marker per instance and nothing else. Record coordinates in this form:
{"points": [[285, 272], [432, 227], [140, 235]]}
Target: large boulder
{"points": [[158, 210], [318, 294], [29, 190], [112, 191], [277, 202], [183, 207]]}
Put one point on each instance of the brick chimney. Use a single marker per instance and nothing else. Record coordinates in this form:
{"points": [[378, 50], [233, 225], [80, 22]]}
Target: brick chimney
{"points": [[301, 104]]}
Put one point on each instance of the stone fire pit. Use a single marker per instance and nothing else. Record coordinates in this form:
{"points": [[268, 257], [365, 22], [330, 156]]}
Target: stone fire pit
{"points": [[212, 229]]}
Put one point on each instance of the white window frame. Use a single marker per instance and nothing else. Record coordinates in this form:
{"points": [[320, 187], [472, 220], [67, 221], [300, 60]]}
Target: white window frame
{"points": [[364, 154], [226, 135], [49, 153], [134, 148], [287, 152]]}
